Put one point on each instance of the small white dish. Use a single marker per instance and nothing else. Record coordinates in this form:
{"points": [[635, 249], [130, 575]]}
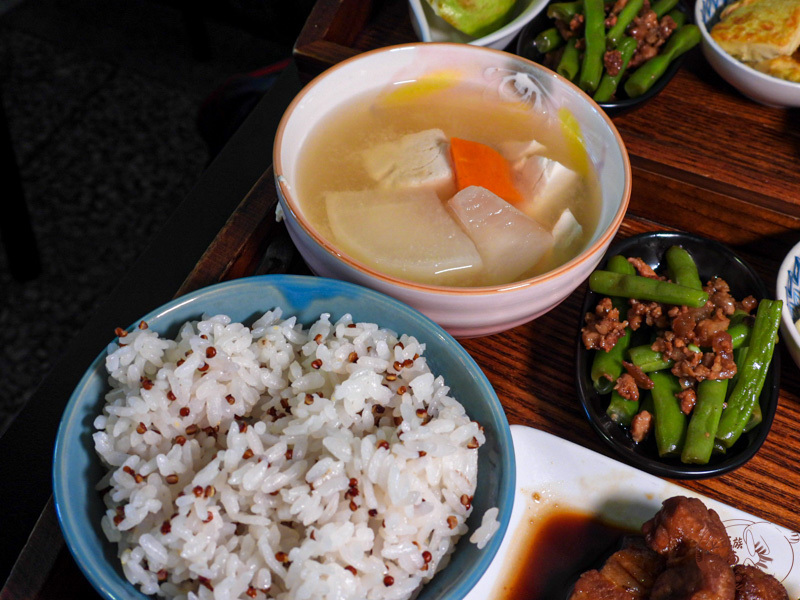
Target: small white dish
{"points": [[430, 27], [787, 288], [754, 84], [572, 477]]}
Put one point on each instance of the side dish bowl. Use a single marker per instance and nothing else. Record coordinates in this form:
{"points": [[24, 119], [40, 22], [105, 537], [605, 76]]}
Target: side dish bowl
{"points": [[77, 469], [527, 49], [754, 84], [429, 27], [463, 311], [787, 288], [712, 258]]}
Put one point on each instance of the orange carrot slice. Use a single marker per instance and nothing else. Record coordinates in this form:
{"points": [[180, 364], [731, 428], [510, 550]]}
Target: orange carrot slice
{"points": [[478, 164]]}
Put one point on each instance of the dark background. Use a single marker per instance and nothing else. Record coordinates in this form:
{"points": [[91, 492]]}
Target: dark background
{"points": [[102, 101]]}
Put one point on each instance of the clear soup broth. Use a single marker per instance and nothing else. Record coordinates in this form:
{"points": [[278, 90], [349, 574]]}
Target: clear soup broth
{"points": [[343, 201]]}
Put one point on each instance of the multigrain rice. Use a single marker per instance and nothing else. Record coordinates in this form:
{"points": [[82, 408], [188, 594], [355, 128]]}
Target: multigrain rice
{"points": [[283, 462]]}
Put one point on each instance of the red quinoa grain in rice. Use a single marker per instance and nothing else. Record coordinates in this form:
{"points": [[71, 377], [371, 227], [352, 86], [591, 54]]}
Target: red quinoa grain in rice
{"points": [[224, 481]]}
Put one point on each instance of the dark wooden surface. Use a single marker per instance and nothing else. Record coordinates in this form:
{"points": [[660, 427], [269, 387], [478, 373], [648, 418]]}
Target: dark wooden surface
{"points": [[705, 160]]}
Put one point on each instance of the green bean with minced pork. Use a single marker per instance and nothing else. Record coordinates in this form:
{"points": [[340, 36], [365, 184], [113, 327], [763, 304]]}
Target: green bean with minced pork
{"points": [[600, 45], [692, 415]]}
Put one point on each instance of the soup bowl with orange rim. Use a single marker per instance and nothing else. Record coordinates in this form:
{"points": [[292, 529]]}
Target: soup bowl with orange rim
{"points": [[472, 184]]}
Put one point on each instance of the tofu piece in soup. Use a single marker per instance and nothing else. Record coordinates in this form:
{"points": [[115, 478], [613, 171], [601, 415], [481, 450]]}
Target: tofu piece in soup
{"points": [[516, 151], [417, 160], [566, 231], [547, 186], [509, 242], [404, 233]]}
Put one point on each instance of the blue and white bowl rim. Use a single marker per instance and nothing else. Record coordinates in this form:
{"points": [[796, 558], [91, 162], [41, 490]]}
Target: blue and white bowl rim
{"points": [[792, 288], [709, 8]]}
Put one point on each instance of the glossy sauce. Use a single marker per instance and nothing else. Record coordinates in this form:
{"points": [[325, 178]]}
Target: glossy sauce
{"points": [[554, 551]]}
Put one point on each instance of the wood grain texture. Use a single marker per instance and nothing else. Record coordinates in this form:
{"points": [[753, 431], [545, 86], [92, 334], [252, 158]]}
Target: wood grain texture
{"points": [[329, 33], [38, 557], [232, 255]]}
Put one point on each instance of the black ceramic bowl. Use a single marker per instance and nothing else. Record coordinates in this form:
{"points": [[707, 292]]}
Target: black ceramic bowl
{"points": [[712, 259], [540, 22]]}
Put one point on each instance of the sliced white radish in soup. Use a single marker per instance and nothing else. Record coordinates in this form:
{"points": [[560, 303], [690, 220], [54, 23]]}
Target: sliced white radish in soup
{"points": [[509, 242], [404, 233]]}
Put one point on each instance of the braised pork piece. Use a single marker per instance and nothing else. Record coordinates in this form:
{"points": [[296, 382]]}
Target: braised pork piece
{"points": [[684, 553]]}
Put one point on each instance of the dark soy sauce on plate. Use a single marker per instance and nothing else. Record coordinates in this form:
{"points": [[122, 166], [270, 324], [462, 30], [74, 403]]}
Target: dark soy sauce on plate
{"points": [[556, 551]]}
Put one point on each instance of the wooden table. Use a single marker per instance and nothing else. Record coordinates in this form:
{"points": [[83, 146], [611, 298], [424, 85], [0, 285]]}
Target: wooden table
{"points": [[705, 160]]}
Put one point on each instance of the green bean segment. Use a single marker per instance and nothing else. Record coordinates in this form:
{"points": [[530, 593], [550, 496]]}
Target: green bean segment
{"points": [[648, 360], [682, 268], [740, 329], [569, 64], [703, 424], [752, 373], [662, 7], [594, 35], [646, 75], [670, 422], [607, 366], [621, 410], [643, 288], [739, 356], [564, 11], [624, 18], [548, 40], [609, 83], [620, 264], [678, 16], [740, 335]]}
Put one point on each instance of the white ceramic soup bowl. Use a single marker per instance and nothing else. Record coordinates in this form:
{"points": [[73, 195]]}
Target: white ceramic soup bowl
{"points": [[462, 311]]}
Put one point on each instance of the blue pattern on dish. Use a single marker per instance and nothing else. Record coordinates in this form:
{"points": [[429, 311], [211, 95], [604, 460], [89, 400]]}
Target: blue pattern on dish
{"points": [[711, 8], [793, 289]]}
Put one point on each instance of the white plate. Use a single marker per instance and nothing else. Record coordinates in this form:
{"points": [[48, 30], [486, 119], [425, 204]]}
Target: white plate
{"points": [[564, 474]]}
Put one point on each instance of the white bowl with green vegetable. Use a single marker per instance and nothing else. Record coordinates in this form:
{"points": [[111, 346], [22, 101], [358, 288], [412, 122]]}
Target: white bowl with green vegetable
{"points": [[490, 23], [688, 438], [787, 288]]}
